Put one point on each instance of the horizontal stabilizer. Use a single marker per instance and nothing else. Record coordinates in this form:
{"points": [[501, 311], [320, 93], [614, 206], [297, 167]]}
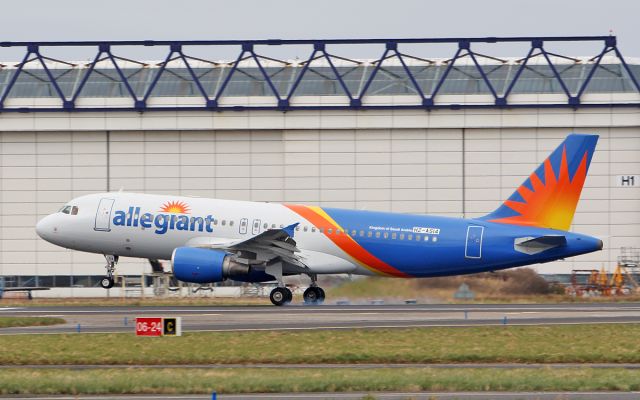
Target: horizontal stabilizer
{"points": [[531, 245]]}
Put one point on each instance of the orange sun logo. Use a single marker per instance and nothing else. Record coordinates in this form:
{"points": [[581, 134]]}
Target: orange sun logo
{"points": [[175, 207], [550, 204]]}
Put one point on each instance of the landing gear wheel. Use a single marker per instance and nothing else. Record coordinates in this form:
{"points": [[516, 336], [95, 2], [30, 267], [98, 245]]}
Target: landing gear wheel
{"points": [[312, 295], [280, 296], [289, 295], [106, 282], [321, 295]]}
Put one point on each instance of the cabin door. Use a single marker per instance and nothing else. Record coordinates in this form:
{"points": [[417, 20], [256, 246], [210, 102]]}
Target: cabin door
{"points": [[473, 247], [103, 215]]}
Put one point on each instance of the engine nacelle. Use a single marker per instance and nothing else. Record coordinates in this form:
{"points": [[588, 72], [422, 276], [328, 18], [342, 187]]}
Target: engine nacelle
{"points": [[193, 264]]}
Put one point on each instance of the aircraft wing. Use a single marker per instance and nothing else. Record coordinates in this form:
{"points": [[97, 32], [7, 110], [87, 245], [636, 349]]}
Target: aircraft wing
{"points": [[22, 288], [269, 246], [535, 245]]}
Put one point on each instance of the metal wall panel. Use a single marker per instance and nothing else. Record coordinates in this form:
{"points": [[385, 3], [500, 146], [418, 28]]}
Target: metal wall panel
{"points": [[404, 170]]}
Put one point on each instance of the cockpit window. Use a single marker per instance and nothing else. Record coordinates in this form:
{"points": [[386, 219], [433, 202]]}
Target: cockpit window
{"points": [[73, 210]]}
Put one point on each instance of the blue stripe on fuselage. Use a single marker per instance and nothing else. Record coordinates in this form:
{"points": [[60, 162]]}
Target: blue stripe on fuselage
{"points": [[409, 256], [446, 255]]}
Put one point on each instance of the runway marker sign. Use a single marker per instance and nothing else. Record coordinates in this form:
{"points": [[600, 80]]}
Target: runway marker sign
{"points": [[159, 326]]}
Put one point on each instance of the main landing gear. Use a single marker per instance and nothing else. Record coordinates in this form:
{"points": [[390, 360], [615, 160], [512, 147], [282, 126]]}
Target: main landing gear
{"points": [[281, 295], [107, 282], [314, 294]]}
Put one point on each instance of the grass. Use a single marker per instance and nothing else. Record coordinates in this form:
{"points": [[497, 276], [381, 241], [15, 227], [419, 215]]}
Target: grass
{"points": [[612, 343], [486, 287], [266, 380], [10, 322]]}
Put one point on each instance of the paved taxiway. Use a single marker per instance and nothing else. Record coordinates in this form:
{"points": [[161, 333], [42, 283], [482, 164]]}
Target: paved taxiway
{"points": [[298, 317]]}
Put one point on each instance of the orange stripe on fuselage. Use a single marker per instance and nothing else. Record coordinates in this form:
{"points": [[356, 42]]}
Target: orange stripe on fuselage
{"points": [[318, 217]]}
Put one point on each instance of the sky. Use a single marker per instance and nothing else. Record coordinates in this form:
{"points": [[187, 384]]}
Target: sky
{"points": [[42, 20]]}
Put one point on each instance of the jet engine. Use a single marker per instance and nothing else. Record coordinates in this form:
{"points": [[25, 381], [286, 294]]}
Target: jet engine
{"points": [[198, 265]]}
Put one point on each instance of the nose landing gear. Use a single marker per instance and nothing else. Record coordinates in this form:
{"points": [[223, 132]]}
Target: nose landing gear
{"points": [[107, 282]]}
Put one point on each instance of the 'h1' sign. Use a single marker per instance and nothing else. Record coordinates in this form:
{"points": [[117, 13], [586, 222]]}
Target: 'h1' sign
{"points": [[628, 180]]}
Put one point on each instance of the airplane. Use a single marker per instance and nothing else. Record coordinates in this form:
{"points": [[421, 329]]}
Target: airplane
{"points": [[209, 240]]}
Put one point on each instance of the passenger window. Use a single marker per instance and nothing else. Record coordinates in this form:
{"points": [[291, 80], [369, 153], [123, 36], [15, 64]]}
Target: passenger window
{"points": [[224, 222], [353, 233], [426, 238], [377, 234], [435, 239], [215, 222], [338, 231], [417, 238], [410, 237], [230, 223], [313, 229], [321, 230], [329, 231], [386, 235], [273, 226], [298, 227], [361, 233], [306, 228], [402, 236], [369, 234]]}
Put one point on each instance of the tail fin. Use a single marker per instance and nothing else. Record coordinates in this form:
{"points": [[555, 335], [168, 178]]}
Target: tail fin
{"points": [[549, 197]]}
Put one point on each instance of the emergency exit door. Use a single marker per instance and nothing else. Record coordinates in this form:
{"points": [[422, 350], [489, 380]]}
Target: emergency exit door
{"points": [[103, 215]]}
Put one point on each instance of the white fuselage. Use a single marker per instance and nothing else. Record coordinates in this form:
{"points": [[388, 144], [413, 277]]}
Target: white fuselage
{"points": [[134, 225]]}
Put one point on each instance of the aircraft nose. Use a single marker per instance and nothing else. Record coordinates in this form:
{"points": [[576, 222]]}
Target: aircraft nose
{"points": [[45, 227]]}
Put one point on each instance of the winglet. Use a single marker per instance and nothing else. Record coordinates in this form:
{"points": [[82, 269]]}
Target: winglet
{"points": [[549, 197], [291, 229]]}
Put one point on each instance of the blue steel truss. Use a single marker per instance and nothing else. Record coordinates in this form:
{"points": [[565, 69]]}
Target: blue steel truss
{"points": [[282, 98]]}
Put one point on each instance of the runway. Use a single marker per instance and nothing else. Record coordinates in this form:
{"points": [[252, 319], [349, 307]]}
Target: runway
{"points": [[298, 317]]}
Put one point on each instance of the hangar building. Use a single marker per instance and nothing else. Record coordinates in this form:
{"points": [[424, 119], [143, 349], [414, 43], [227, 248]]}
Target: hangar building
{"points": [[402, 132]]}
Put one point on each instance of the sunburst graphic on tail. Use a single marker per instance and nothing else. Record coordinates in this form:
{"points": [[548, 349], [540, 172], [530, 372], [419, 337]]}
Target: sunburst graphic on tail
{"points": [[549, 197]]}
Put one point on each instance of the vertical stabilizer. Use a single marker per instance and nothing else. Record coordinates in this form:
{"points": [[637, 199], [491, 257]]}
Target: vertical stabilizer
{"points": [[549, 196]]}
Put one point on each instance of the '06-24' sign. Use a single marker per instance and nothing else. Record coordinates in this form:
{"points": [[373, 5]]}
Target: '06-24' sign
{"points": [[159, 326]]}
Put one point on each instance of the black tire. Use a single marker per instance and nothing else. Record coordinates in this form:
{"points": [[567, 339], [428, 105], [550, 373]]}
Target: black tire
{"points": [[289, 295], [311, 295], [279, 296], [106, 282], [320, 295]]}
